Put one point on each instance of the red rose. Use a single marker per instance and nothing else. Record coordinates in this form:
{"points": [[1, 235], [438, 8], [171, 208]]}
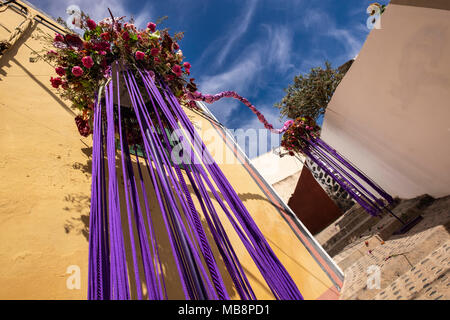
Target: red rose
{"points": [[77, 71], [177, 70], [87, 62], [56, 82], [105, 36], [91, 24], [140, 55], [126, 36], [151, 26], [60, 71], [154, 51], [58, 38]]}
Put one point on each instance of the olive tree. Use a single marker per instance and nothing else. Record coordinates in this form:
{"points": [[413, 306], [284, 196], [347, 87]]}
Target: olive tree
{"points": [[310, 93]]}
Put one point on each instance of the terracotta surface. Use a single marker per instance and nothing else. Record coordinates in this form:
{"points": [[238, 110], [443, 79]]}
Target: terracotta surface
{"points": [[45, 174], [312, 205]]}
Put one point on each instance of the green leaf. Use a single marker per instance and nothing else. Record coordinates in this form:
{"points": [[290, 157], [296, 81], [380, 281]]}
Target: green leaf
{"points": [[133, 36], [155, 35]]}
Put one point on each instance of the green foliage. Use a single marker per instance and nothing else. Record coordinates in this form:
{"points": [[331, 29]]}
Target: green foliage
{"points": [[309, 94]]}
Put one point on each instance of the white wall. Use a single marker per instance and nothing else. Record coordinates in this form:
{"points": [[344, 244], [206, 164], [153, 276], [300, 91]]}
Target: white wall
{"points": [[391, 113], [275, 168]]}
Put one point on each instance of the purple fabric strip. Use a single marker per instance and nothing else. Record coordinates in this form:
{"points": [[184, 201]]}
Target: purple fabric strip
{"points": [[119, 279], [195, 262], [354, 169], [276, 276]]}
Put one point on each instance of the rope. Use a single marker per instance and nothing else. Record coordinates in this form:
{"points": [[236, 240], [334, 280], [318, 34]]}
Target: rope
{"points": [[17, 33]]}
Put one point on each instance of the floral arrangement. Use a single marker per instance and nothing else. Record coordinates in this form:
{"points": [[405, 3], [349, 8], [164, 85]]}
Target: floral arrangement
{"points": [[295, 137], [83, 64]]}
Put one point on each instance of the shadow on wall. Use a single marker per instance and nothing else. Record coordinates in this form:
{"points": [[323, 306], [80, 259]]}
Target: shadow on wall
{"points": [[80, 204], [9, 56]]}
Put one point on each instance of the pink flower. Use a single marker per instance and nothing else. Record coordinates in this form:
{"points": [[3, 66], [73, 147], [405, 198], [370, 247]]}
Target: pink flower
{"points": [[187, 65], [154, 51], [102, 53], [208, 98], [140, 55], [91, 24], [60, 71], [197, 95], [58, 38], [151, 26], [177, 70], [105, 36], [52, 53], [87, 62], [56, 82], [77, 71], [157, 60]]}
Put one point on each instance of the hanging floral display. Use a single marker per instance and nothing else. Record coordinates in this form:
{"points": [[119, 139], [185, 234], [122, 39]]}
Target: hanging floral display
{"points": [[297, 135], [82, 64]]}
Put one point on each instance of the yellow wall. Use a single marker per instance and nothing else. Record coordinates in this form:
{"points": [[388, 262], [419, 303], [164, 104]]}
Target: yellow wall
{"points": [[45, 172], [44, 178]]}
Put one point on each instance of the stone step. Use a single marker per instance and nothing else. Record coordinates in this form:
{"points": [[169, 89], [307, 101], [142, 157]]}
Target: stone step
{"points": [[382, 230], [427, 280], [325, 235], [346, 237], [407, 210], [355, 251], [393, 258], [348, 228]]}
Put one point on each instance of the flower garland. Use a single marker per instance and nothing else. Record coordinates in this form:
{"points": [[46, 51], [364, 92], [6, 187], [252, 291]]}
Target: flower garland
{"points": [[296, 133], [198, 96]]}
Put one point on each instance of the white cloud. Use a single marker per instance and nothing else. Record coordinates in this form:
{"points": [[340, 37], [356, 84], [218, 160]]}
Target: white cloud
{"points": [[237, 32], [272, 51], [97, 9], [225, 42], [279, 49], [324, 25], [351, 43], [315, 18], [239, 78]]}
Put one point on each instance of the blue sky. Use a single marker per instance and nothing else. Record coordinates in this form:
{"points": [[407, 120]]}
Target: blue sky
{"points": [[254, 47]]}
